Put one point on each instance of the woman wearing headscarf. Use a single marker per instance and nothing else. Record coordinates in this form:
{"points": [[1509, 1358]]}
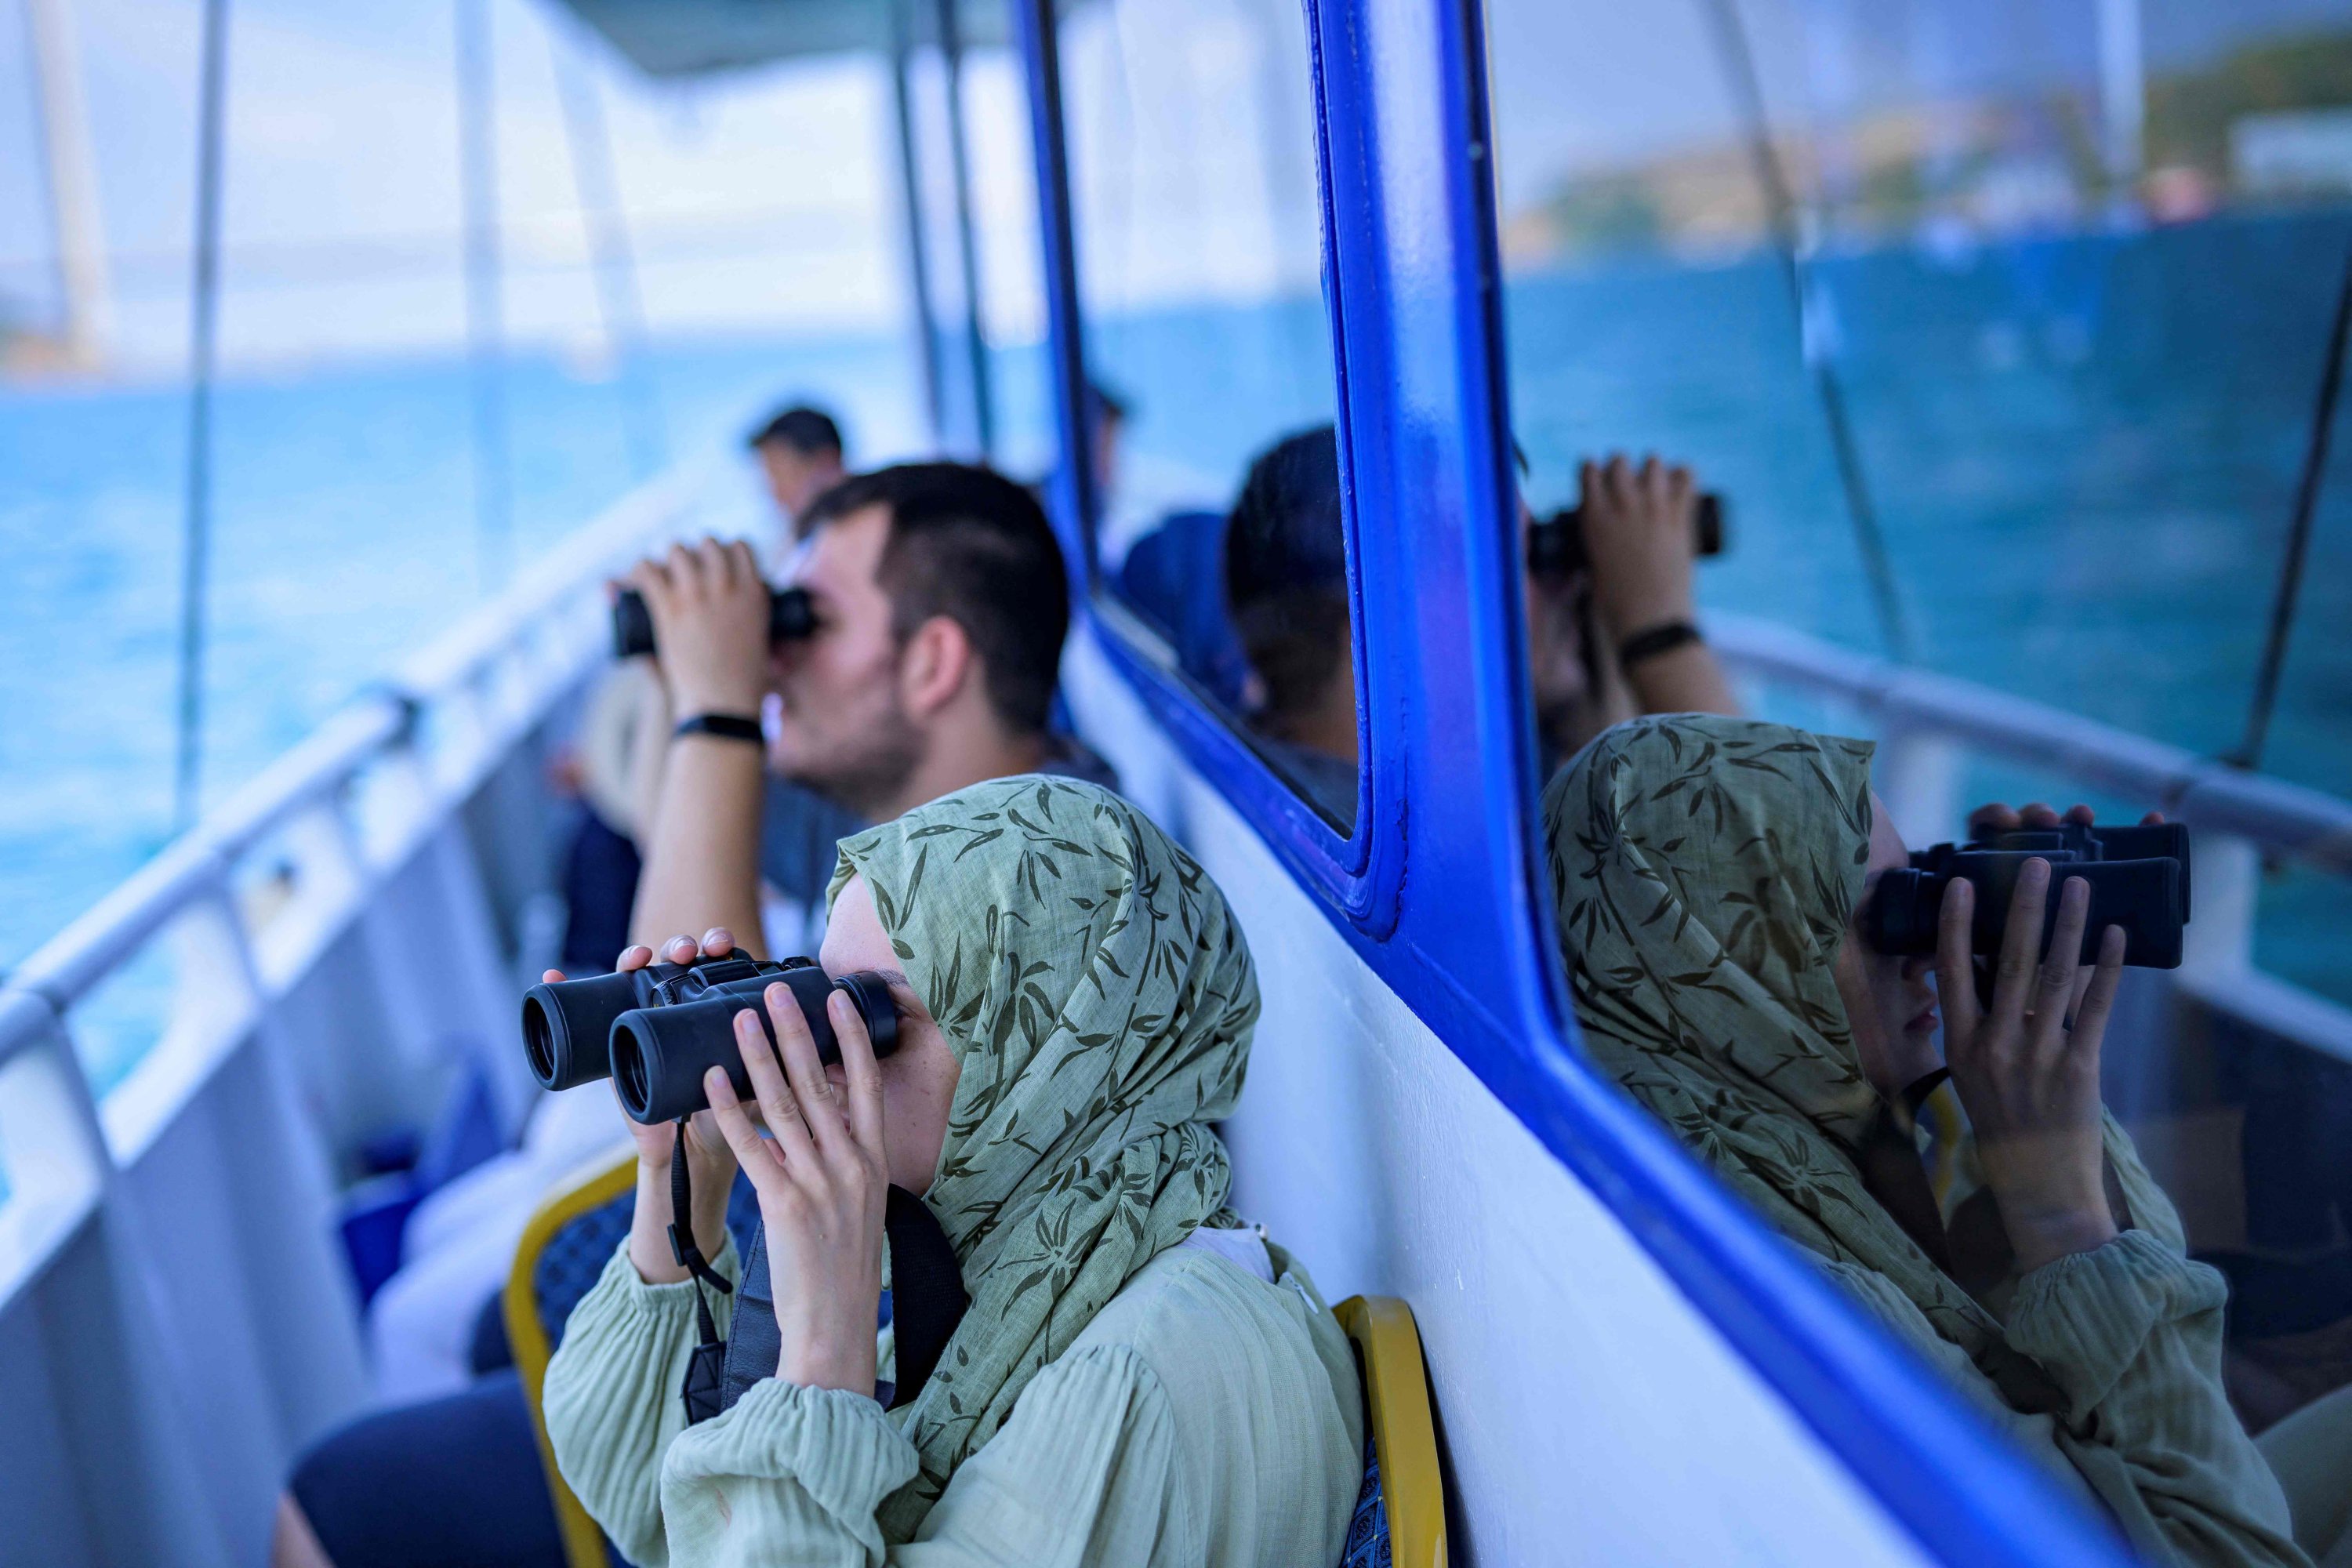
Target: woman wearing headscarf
{"points": [[1706, 871], [1136, 1380]]}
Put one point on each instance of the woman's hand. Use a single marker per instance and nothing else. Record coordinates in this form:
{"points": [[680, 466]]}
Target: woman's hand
{"points": [[710, 1162], [1994, 818], [823, 1182], [2030, 1084]]}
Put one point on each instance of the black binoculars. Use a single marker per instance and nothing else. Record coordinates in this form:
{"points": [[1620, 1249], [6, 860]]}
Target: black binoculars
{"points": [[791, 616], [655, 1031], [1556, 543], [2138, 877]]}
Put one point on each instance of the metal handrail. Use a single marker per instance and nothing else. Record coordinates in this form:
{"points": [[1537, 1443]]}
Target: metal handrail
{"points": [[2280, 818], [2284, 819]]}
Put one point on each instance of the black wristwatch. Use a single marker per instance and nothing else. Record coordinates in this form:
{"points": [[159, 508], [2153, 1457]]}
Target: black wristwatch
{"points": [[725, 726]]}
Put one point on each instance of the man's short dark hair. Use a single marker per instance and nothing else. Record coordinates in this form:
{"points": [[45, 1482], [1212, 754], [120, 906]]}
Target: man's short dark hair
{"points": [[1286, 570], [808, 431], [968, 543]]}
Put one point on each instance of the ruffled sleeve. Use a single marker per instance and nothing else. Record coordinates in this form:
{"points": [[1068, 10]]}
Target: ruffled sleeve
{"points": [[2131, 1332], [611, 1395], [1084, 1473]]}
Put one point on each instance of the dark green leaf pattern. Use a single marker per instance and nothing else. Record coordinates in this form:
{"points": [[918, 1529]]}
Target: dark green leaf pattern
{"points": [[1703, 869], [1100, 998]]}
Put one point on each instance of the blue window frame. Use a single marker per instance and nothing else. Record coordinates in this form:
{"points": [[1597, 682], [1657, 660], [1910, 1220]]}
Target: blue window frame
{"points": [[1355, 870], [1466, 937]]}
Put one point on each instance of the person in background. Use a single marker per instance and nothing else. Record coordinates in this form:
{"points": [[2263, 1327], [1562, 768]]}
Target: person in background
{"points": [[1617, 639], [1978, 1201], [615, 763], [941, 604], [1286, 590], [800, 453], [1107, 414], [1610, 642]]}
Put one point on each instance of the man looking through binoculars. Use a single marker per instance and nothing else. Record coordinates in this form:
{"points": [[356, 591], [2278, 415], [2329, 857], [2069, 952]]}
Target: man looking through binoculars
{"points": [[938, 610]]}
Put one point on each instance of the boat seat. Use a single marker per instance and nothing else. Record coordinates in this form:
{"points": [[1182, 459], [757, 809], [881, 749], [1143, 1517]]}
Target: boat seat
{"points": [[1399, 1515], [562, 1252]]}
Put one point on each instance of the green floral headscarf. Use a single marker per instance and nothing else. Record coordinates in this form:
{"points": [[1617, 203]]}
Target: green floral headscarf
{"points": [[1703, 869], [1098, 995]]}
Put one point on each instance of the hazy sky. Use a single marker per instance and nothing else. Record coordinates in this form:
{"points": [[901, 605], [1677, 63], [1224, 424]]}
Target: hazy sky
{"points": [[766, 198], [770, 200]]}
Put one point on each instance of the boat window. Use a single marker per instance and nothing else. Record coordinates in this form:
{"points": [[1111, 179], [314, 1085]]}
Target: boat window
{"points": [[1998, 350], [1198, 226]]}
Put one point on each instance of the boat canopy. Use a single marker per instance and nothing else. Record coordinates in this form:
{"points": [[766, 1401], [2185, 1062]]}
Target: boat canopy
{"points": [[676, 39]]}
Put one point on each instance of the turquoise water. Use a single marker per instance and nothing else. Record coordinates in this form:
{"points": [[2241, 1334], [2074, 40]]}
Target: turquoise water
{"points": [[344, 538], [2082, 451]]}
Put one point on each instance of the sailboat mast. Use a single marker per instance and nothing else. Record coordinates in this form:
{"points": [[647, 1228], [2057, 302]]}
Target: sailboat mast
{"points": [[72, 172], [2122, 94]]}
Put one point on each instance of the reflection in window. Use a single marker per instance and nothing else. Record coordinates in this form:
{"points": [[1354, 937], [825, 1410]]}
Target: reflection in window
{"points": [[1198, 222], [2035, 298]]}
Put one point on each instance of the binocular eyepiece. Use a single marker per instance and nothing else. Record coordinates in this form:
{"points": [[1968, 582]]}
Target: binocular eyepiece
{"points": [[657, 1030], [792, 615], [1556, 543], [2138, 877]]}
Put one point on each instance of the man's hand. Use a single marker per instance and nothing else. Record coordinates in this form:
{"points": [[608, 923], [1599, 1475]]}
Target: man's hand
{"points": [[1996, 816], [2028, 1082], [710, 609], [1641, 533]]}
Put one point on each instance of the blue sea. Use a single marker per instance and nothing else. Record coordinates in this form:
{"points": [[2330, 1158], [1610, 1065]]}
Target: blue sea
{"points": [[2082, 452]]}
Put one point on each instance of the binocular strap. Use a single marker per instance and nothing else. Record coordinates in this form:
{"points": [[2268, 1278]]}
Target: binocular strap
{"points": [[926, 1301], [705, 1369]]}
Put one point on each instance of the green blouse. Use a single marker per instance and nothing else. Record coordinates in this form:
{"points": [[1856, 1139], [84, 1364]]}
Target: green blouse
{"points": [[1203, 1416]]}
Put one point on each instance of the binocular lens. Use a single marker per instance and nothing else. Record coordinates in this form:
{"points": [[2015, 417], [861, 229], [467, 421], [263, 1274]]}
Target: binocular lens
{"points": [[660, 1053], [539, 1039], [564, 1026]]}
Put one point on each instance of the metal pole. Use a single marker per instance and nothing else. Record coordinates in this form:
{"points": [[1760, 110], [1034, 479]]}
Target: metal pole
{"points": [[485, 322], [1780, 201], [614, 261], [72, 181], [2123, 95], [984, 409], [203, 310], [918, 253], [2249, 753], [1034, 21]]}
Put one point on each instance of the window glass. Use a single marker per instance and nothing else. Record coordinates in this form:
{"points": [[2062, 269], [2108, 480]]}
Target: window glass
{"points": [[1997, 332], [980, 278], [1191, 134]]}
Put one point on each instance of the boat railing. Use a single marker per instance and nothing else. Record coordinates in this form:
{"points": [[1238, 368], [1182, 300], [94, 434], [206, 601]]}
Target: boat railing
{"points": [[1928, 725], [322, 952]]}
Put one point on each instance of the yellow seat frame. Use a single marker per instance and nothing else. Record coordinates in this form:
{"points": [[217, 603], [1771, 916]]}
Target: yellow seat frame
{"points": [[586, 1190], [1405, 1432]]}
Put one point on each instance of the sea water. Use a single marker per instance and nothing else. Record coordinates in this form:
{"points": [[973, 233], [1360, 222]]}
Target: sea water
{"points": [[2082, 453]]}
